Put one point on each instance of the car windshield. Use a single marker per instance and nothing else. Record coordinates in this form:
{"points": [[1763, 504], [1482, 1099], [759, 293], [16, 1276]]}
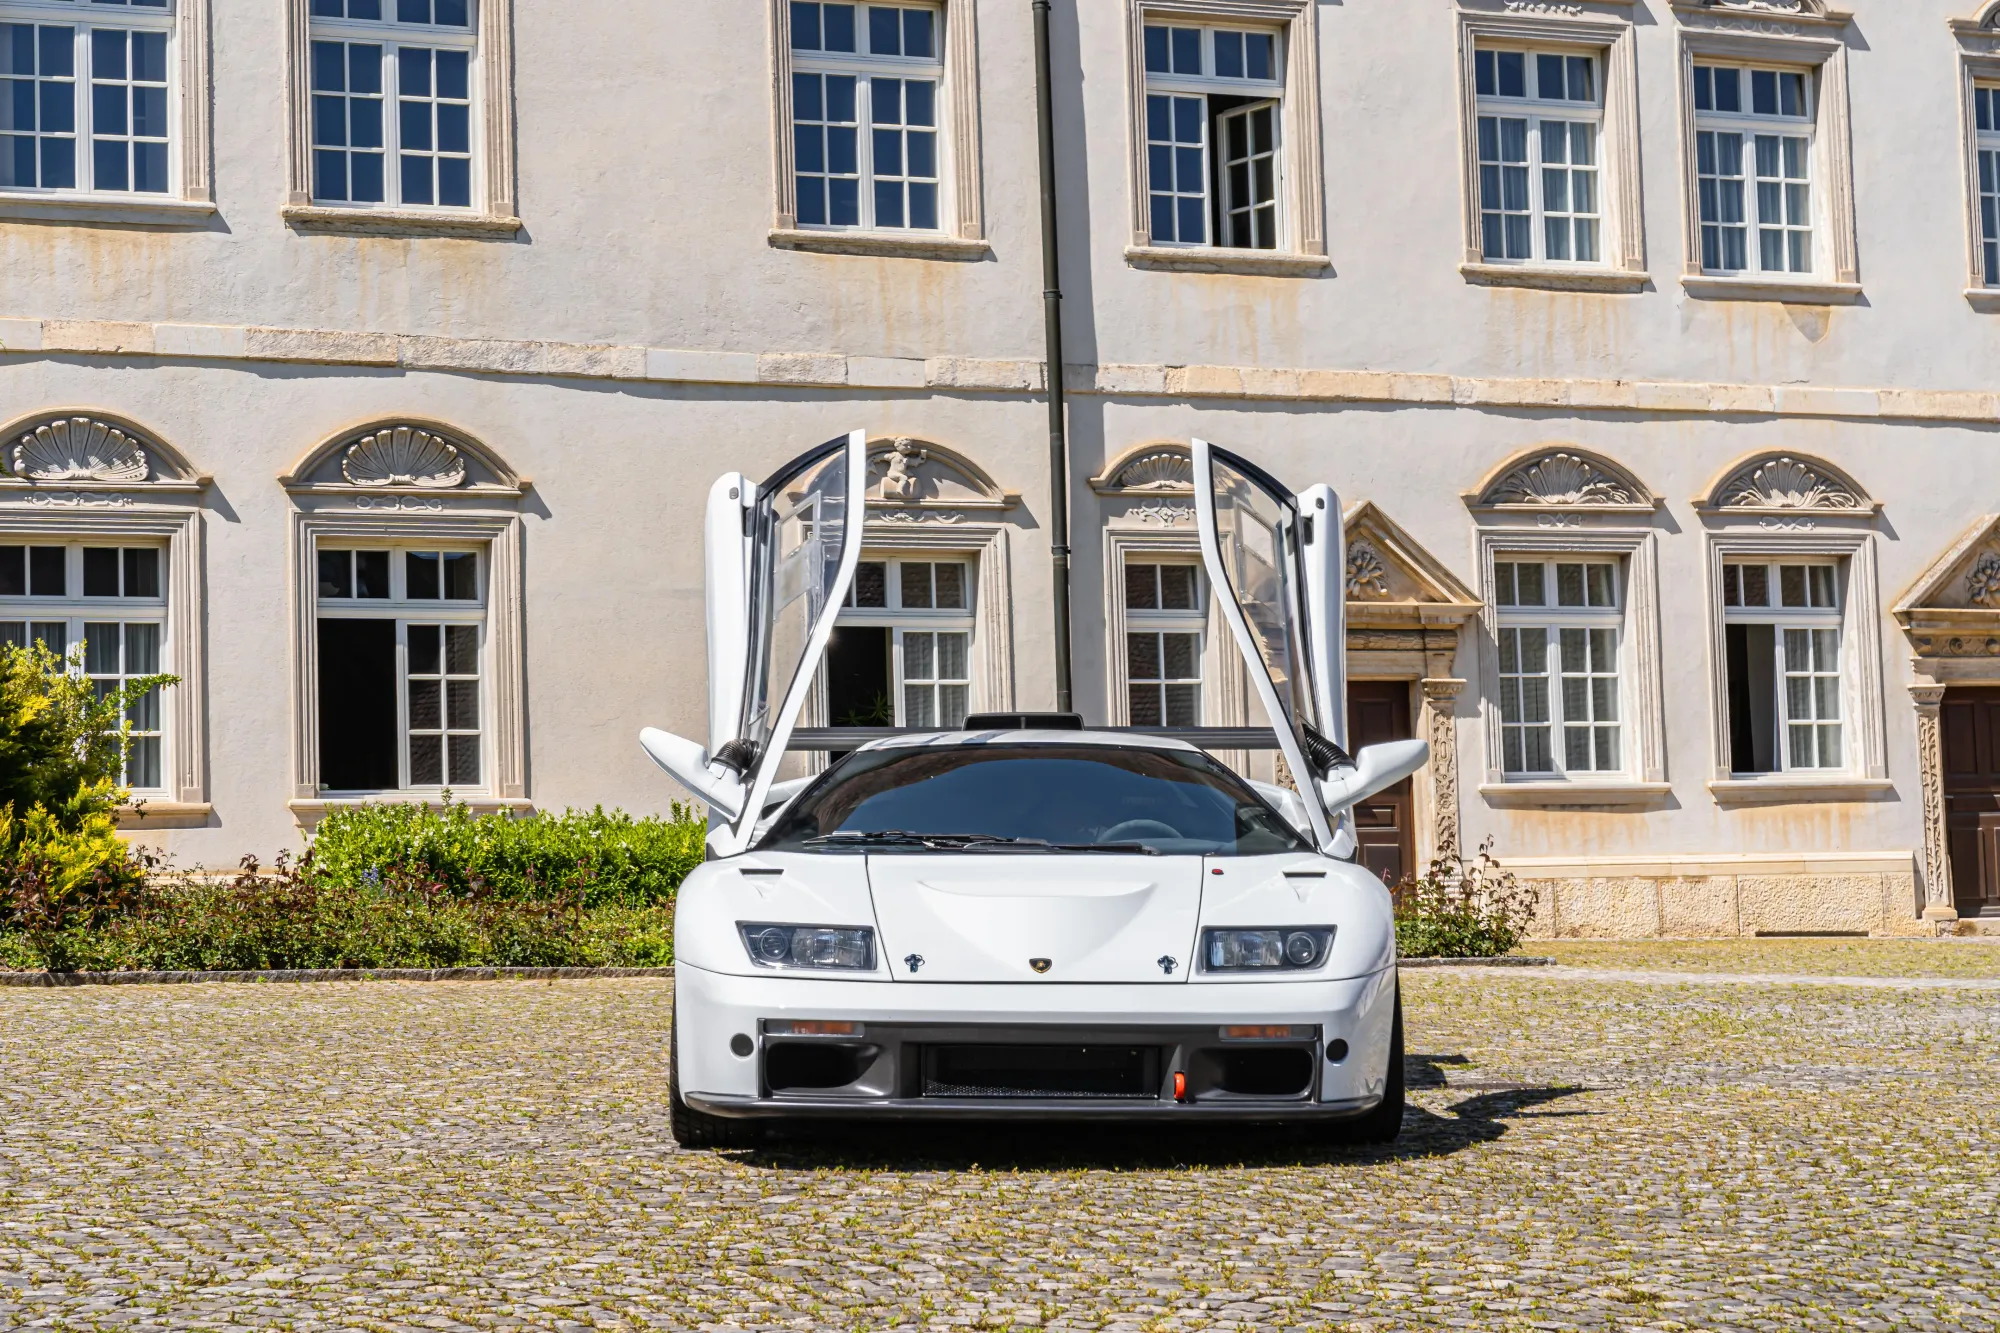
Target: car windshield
{"points": [[1033, 797]]}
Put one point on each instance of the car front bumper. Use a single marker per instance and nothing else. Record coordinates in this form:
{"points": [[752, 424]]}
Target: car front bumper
{"points": [[1034, 1051]]}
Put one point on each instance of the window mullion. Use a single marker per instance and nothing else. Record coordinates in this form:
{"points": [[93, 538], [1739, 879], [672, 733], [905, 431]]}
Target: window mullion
{"points": [[864, 148]]}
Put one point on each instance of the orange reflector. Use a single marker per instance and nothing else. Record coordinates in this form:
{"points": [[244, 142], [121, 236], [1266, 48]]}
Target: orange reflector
{"points": [[815, 1027], [1180, 1086], [1265, 1032]]}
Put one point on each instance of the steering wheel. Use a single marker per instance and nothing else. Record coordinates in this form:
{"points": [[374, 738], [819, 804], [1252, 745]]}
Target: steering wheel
{"points": [[1134, 829]]}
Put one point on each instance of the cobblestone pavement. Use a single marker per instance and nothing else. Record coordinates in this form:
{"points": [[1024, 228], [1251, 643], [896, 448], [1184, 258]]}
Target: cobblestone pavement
{"points": [[1580, 1154], [1977, 956]]}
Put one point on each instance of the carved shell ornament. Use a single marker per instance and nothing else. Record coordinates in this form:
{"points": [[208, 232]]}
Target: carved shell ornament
{"points": [[1166, 470], [79, 449], [403, 456], [1982, 582], [1562, 479], [1786, 483], [1367, 576]]}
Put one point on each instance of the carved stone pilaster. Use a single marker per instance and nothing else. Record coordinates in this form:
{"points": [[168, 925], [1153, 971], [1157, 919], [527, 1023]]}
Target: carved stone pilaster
{"points": [[1938, 901], [1440, 727]]}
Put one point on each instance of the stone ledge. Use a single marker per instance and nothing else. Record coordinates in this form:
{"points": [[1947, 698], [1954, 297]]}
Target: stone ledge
{"points": [[617, 362], [330, 974]]}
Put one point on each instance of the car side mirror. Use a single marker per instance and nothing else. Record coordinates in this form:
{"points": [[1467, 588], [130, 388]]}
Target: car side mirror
{"points": [[719, 785], [1376, 768]]}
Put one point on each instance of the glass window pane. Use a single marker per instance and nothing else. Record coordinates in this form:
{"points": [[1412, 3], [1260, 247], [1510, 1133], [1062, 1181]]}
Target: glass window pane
{"points": [[420, 574], [919, 656], [837, 27], [1142, 587], [461, 577], [462, 705], [100, 571], [871, 584], [1603, 587], [915, 584], [425, 657], [1183, 705], [1792, 585], [1513, 67], [1177, 588], [48, 571], [464, 755], [1756, 585], [951, 652], [426, 705], [335, 574], [461, 650], [101, 652], [427, 760], [1530, 587], [950, 583], [1569, 585], [1180, 656], [1187, 50]]}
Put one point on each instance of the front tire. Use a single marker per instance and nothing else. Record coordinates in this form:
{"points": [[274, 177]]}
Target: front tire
{"points": [[1385, 1122], [692, 1128]]}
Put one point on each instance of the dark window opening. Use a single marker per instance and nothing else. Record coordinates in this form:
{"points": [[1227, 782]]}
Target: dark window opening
{"points": [[1243, 171], [858, 684], [357, 705], [1753, 695]]}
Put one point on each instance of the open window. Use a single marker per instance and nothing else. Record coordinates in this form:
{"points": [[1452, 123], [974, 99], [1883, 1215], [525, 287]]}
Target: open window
{"points": [[1274, 560], [781, 558]]}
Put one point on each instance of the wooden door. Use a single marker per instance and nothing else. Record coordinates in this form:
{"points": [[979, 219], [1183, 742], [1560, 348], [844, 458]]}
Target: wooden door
{"points": [[1971, 724], [1378, 711]]}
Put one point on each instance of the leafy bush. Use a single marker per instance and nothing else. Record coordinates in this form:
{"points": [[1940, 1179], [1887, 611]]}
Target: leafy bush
{"points": [[1462, 909], [292, 917], [601, 858]]}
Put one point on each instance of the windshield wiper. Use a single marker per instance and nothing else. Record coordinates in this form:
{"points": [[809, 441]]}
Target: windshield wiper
{"points": [[970, 842]]}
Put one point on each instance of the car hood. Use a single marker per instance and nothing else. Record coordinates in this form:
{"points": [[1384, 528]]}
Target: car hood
{"points": [[1023, 917]]}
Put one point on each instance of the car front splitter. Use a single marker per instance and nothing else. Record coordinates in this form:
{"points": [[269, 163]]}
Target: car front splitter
{"points": [[1028, 1108]]}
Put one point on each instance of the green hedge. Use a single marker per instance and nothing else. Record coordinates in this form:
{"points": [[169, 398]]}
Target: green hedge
{"points": [[601, 858]]}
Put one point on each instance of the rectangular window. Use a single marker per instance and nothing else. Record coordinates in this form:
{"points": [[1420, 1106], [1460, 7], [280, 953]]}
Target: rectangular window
{"points": [[901, 654], [392, 102], [1986, 121], [1782, 640], [880, 64], [1213, 113], [1561, 623], [1540, 116], [109, 602], [1753, 168], [86, 102], [1165, 623], [400, 667]]}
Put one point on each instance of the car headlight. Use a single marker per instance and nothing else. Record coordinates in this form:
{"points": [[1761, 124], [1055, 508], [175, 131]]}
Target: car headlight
{"points": [[1266, 949], [816, 948]]}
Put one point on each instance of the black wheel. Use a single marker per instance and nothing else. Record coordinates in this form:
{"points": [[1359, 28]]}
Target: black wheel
{"points": [[1385, 1122], [692, 1128]]}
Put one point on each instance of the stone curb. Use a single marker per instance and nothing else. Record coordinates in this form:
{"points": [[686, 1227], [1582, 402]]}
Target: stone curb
{"points": [[329, 974], [1505, 960]]}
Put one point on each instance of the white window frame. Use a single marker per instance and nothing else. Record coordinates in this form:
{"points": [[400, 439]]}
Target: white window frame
{"points": [[1768, 202], [1866, 769], [1979, 70], [75, 611], [1158, 621], [1551, 619], [1643, 745], [490, 85], [1301, 196], [1534, 109], [1203, 85], [406, 612], [189, 197], [864, 67], [900, 620], [1802, 42], [1984, 181], [1783, 620], [1621, 266], [961, 231]]}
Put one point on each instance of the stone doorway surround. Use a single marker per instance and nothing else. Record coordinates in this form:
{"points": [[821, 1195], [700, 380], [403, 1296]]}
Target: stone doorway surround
{"points": [[1405, 616], [1952, 617]]}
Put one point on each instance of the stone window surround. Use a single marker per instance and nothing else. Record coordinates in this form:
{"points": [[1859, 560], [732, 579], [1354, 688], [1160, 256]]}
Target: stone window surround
{"points": [[1978, 62], [1222, 679], [501, 534], [1802, 39], [1861, 637], [193, 204], [962, 209], [494, 208], [1304, 162], [1645, 778], [1624, 265]]}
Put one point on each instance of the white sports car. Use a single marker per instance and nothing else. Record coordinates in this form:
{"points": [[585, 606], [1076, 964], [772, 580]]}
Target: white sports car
{"points": [[1025, 918]]}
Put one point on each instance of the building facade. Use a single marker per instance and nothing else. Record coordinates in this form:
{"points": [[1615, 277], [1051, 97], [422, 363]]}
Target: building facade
{"points": [[364, 363]]}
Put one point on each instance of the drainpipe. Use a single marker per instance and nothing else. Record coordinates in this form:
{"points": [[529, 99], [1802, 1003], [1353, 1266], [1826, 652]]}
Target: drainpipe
{"points": [[1052, 322]]}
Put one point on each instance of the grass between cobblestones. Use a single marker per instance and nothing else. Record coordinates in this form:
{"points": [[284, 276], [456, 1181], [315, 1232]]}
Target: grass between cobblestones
{"points": [[1579, 1154], [1974, 957]]}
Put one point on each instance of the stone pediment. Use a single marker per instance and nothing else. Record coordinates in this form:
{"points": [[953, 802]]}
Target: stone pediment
{"points": [[1561, 478], [1392, 580], [403, 456], [1149, 469], [909, 474], [1953, 608], [1795, 11], [1778, 483], [91, 451]]}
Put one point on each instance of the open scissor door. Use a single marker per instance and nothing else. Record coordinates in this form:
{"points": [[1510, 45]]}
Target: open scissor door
{"points": [[1274, 559], [780, 557]]}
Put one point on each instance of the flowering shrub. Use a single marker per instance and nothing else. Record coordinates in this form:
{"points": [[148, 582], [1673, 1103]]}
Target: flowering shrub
{"points": [[1462, 909]]}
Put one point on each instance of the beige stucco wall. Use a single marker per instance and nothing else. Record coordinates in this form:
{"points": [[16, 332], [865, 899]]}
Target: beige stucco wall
{"points": [[644, 184]]}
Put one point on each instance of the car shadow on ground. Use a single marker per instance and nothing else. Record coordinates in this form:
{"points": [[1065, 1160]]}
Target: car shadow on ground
{"points": [[1480, 1118]]}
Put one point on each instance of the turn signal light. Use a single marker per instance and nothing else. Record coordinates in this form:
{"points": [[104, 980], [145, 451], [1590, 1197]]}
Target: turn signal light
{"points": [[811, 1027], [1180, 1086], [1266, 1032]]}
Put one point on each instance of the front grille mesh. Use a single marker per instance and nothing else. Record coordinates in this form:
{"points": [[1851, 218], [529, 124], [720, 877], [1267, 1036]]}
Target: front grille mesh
{"points": [[1064, 1072]]}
